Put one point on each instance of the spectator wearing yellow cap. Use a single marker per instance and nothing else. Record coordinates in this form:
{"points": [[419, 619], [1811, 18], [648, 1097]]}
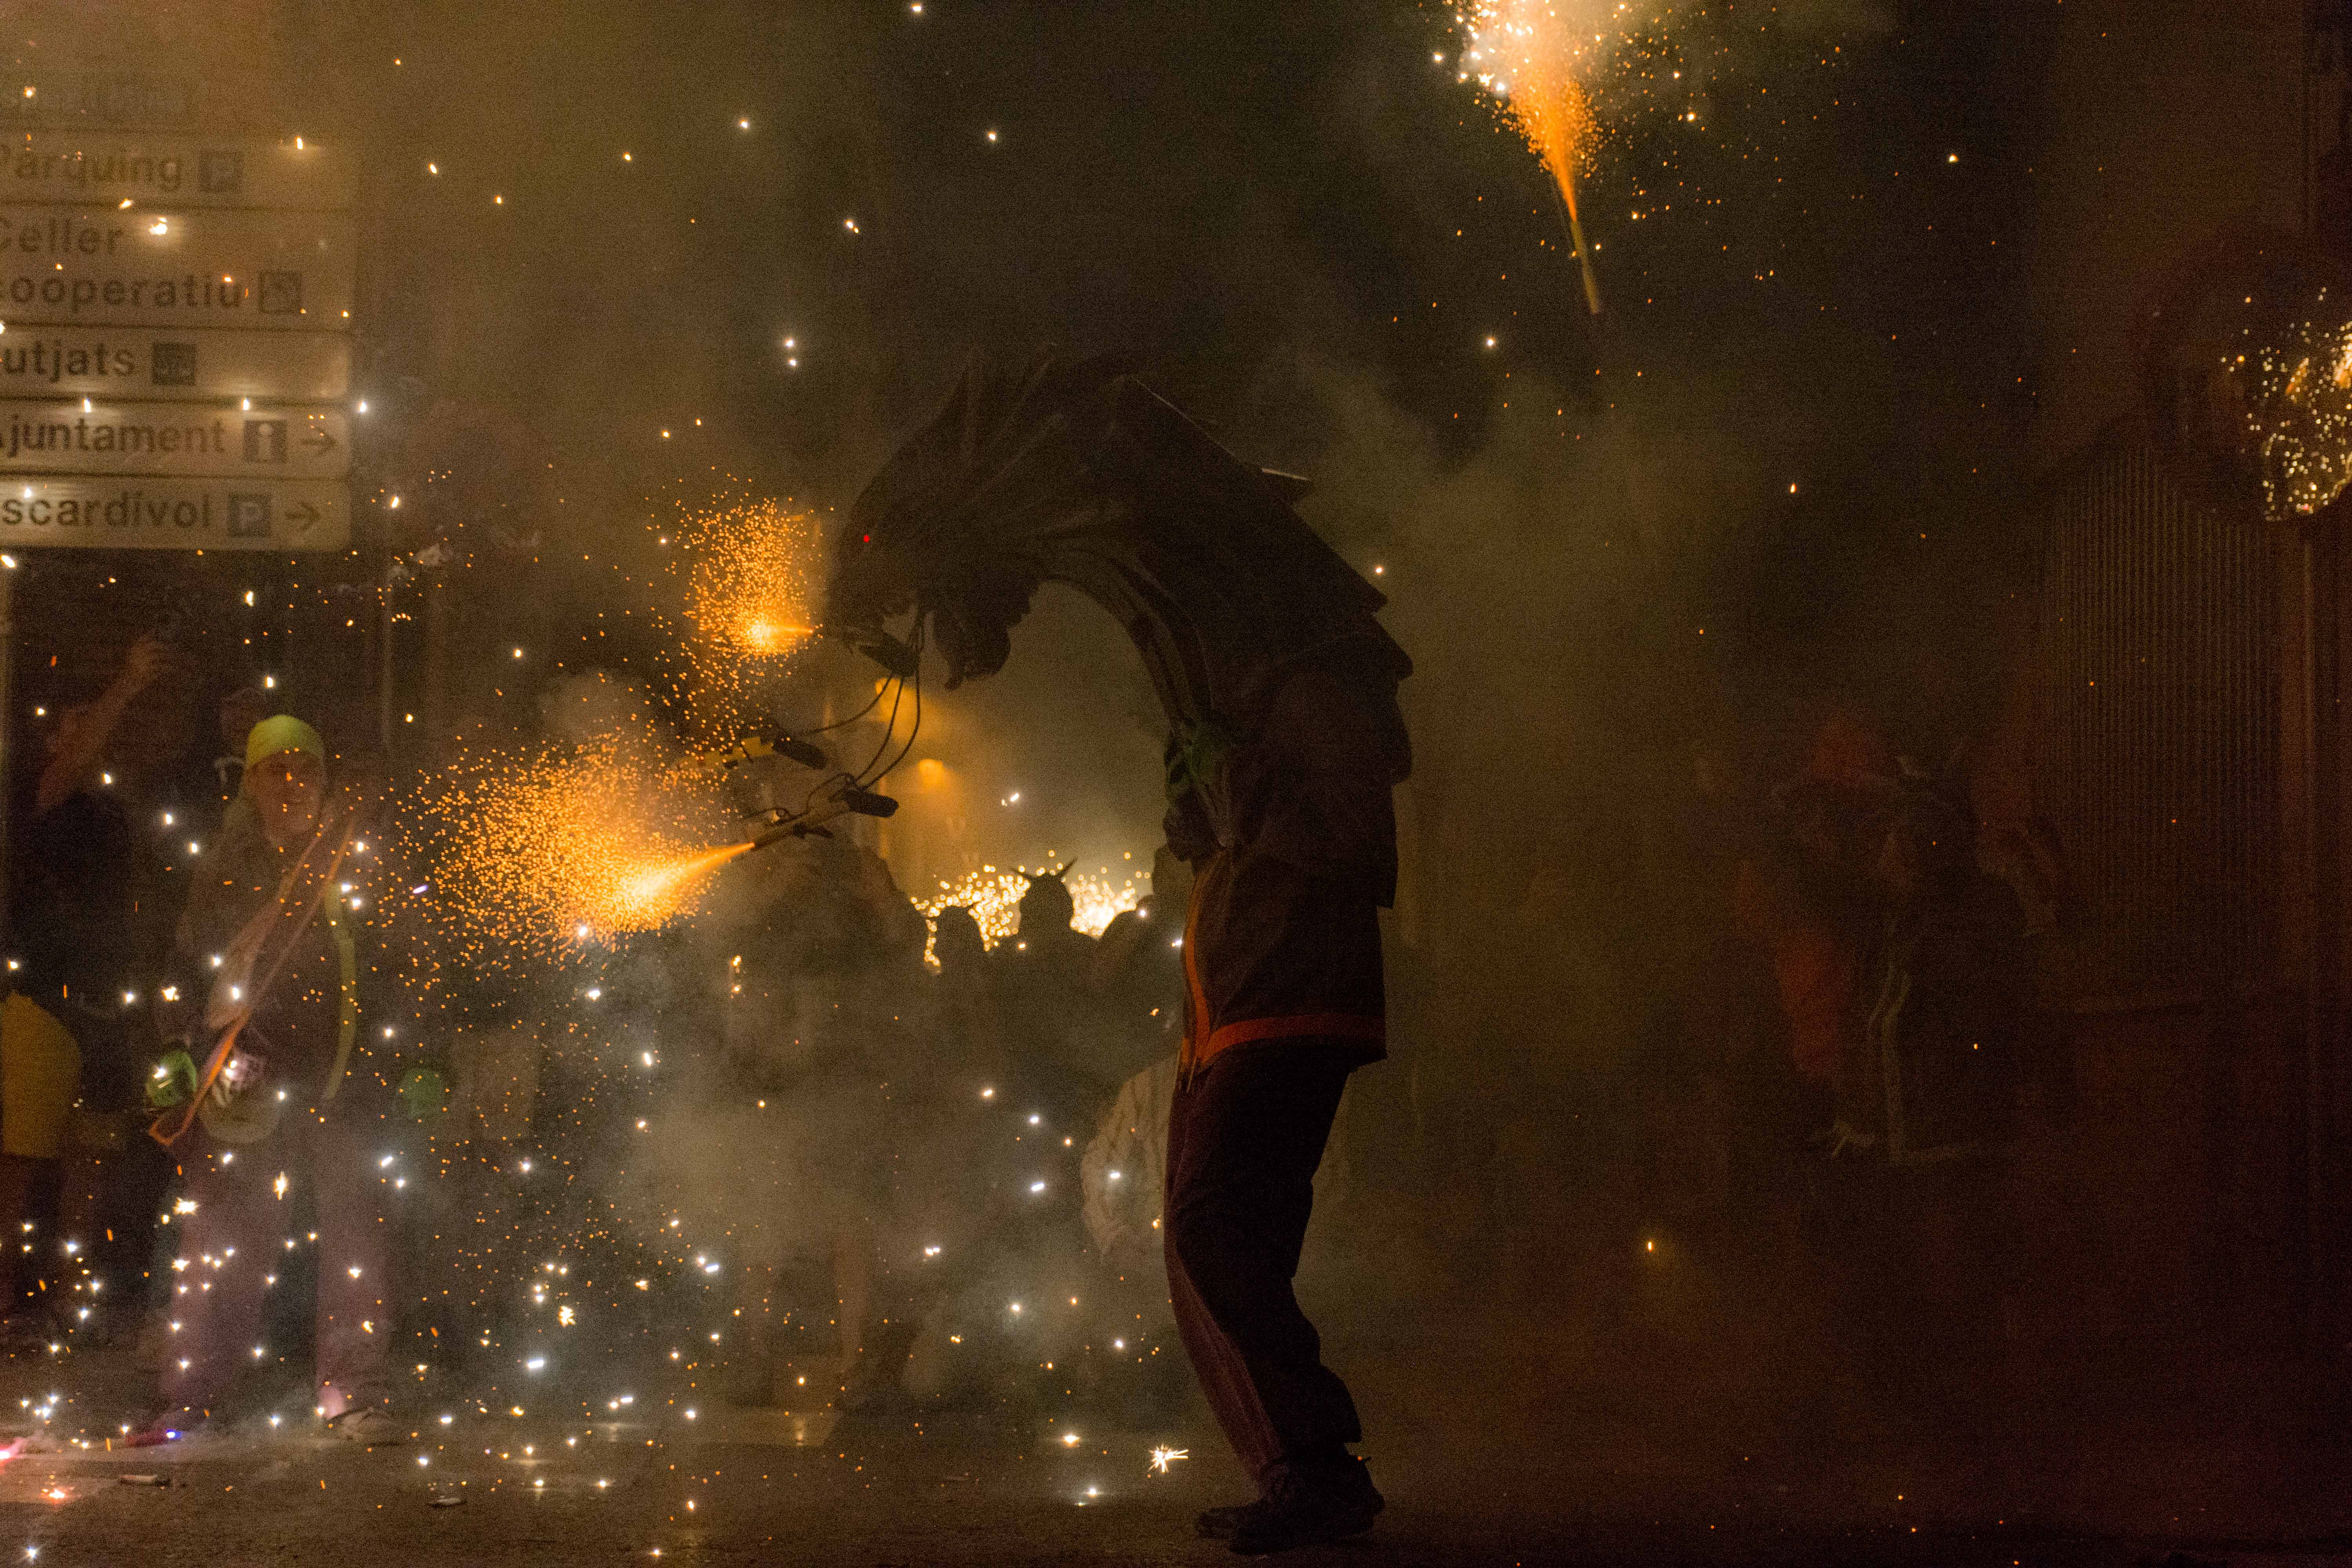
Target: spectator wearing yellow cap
{"points": [[287, 1099], [285, 779]]}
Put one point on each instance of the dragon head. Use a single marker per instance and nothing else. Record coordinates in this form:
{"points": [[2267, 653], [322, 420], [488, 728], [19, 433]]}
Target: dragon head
{"points": [[954, 527]]}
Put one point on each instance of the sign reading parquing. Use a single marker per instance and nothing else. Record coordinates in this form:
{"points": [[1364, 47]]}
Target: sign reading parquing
{"points": [[171, 172]]}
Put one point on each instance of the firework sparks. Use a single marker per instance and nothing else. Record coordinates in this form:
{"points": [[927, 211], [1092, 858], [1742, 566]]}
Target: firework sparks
{"points": [[1163, 1457], [993, 897], [1534, 57], [1098, 900], [749, 570], [548, 852], [2297, 401]]}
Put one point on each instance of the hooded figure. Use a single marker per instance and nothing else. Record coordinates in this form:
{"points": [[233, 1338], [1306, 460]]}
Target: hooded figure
{"points": [[1285, 739]]}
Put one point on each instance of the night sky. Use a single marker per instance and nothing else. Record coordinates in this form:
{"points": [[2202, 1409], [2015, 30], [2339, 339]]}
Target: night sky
{"points": [[1302, 227]]}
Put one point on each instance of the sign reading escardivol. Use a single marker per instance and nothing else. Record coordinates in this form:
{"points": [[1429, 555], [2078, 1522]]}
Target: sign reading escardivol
{"points": [[66, 512]]}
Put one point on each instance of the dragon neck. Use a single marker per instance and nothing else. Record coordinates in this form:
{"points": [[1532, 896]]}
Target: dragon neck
{"points": [[1216, 631]]}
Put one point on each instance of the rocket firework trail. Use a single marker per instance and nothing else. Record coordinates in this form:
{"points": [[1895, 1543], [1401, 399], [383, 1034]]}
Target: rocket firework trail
{"points": [[1534, 57]]}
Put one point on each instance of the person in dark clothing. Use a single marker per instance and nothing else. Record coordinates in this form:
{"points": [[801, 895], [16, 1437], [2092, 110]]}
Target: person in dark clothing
{"points": [[1292, 837], [1056, 1023], [1280, 691], [87, 931]]}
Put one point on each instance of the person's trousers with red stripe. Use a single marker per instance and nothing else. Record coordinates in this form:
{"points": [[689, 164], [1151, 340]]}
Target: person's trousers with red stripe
{"points": [[1244, 1136]]}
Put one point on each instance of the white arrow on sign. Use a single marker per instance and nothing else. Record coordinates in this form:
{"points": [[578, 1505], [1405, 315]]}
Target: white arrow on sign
{"points": [[51, 511], [174, 438]]}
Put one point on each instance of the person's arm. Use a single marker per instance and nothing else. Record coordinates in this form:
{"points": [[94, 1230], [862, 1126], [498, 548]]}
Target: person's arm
{"points": [[79, 750]]}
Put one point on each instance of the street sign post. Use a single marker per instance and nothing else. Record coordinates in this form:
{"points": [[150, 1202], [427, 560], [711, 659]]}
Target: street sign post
{"points": [[195, 364], [229, 266], [173, 318], [168, 303], [174, 439], [77, 512], [171, 172]]}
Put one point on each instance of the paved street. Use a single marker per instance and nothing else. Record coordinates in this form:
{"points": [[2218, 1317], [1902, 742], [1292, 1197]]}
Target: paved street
{"points": [[763, 1487]]}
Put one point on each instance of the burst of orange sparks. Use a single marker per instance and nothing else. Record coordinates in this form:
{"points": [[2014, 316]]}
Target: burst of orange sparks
{"points": [[751, 569], [658, 887], [1531, 56], [548, 852]]}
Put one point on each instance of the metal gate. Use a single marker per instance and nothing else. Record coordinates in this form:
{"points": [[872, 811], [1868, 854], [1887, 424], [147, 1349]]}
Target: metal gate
{"points": [[2159, 737]]}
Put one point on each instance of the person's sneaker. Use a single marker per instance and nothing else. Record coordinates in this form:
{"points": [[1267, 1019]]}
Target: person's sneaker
{"points": [[1219, 1523], [1309, 1509]]}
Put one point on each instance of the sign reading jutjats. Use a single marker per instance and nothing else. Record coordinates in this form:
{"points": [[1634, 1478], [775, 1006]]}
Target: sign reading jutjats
{"points": [[193, 364], [175, 312]]}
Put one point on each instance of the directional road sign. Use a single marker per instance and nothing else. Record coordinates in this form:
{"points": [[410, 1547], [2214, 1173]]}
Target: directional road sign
{"points": [[169, 171], [203, 363], [153, 267], [71, 511], [173, 313], [92, 437]]}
